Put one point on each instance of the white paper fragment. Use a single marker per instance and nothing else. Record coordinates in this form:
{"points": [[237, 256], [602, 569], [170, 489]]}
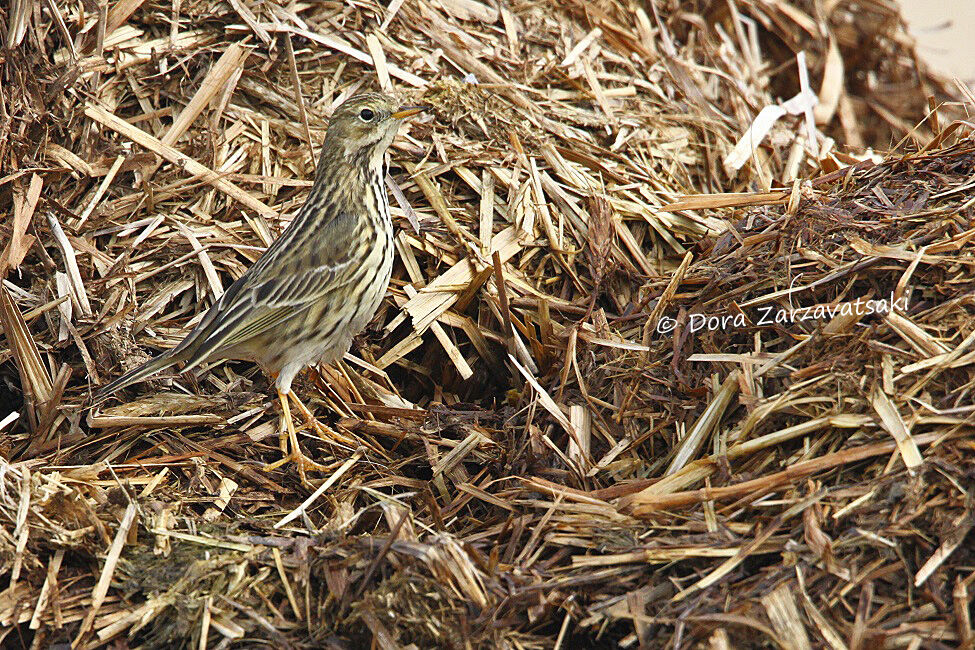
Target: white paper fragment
{"points": [[805, 88], [762, 124]]}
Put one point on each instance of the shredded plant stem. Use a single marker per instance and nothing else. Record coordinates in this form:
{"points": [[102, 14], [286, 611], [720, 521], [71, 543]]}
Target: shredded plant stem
{"points": [[679, 349]]}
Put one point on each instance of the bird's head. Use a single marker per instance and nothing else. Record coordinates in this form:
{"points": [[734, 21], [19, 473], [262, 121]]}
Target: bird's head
{"points": [[365, 125]]}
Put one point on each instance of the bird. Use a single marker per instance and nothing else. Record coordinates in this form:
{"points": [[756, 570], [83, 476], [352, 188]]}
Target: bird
{"points": [[317, 285]]}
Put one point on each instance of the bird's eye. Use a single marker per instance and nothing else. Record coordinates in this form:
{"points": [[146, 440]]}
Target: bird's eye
{"points": [[366, 115]]}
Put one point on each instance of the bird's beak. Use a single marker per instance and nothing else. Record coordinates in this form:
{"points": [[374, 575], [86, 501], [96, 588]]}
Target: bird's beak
{"points": [[409, 111]]}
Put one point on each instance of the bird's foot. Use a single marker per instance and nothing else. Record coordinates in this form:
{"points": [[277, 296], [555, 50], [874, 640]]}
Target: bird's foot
{"points": [[289, 437], [324, 431], [303, 463]]}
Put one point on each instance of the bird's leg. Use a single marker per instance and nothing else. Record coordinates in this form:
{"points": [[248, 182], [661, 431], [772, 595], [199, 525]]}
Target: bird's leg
{"points": [[292, 434], [320, 428], [283, 433], [296, 456], [288, 430], [303, 410]]}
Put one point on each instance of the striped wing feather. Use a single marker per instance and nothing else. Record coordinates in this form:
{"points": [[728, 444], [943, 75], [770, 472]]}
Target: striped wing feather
{"points": [[289, 278]]}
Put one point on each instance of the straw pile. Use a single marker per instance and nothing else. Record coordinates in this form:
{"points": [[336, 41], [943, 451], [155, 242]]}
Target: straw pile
{"points": [[637, 381]]}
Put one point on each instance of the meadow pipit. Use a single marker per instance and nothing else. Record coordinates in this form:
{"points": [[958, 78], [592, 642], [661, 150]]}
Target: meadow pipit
{"points": [[321, 281]]}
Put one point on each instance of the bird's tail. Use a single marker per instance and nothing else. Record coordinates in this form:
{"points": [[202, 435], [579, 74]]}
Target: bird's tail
{"points": [[154, 365]]}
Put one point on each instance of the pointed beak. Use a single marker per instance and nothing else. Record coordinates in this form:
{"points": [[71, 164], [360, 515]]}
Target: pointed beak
{"points": [[409, 111]]}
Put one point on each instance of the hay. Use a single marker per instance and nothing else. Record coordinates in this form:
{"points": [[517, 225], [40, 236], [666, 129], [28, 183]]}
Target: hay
{"points": [[623, 392]]}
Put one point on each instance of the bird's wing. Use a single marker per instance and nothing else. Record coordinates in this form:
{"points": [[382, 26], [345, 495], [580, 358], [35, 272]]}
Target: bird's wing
{"points": [[289, 278]]}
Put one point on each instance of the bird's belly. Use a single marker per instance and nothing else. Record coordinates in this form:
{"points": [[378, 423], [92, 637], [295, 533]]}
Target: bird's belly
{"points": [[372, 288]]}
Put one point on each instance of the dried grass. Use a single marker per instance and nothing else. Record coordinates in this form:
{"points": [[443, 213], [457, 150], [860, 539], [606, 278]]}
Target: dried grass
{"points": [[536, 445]]}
